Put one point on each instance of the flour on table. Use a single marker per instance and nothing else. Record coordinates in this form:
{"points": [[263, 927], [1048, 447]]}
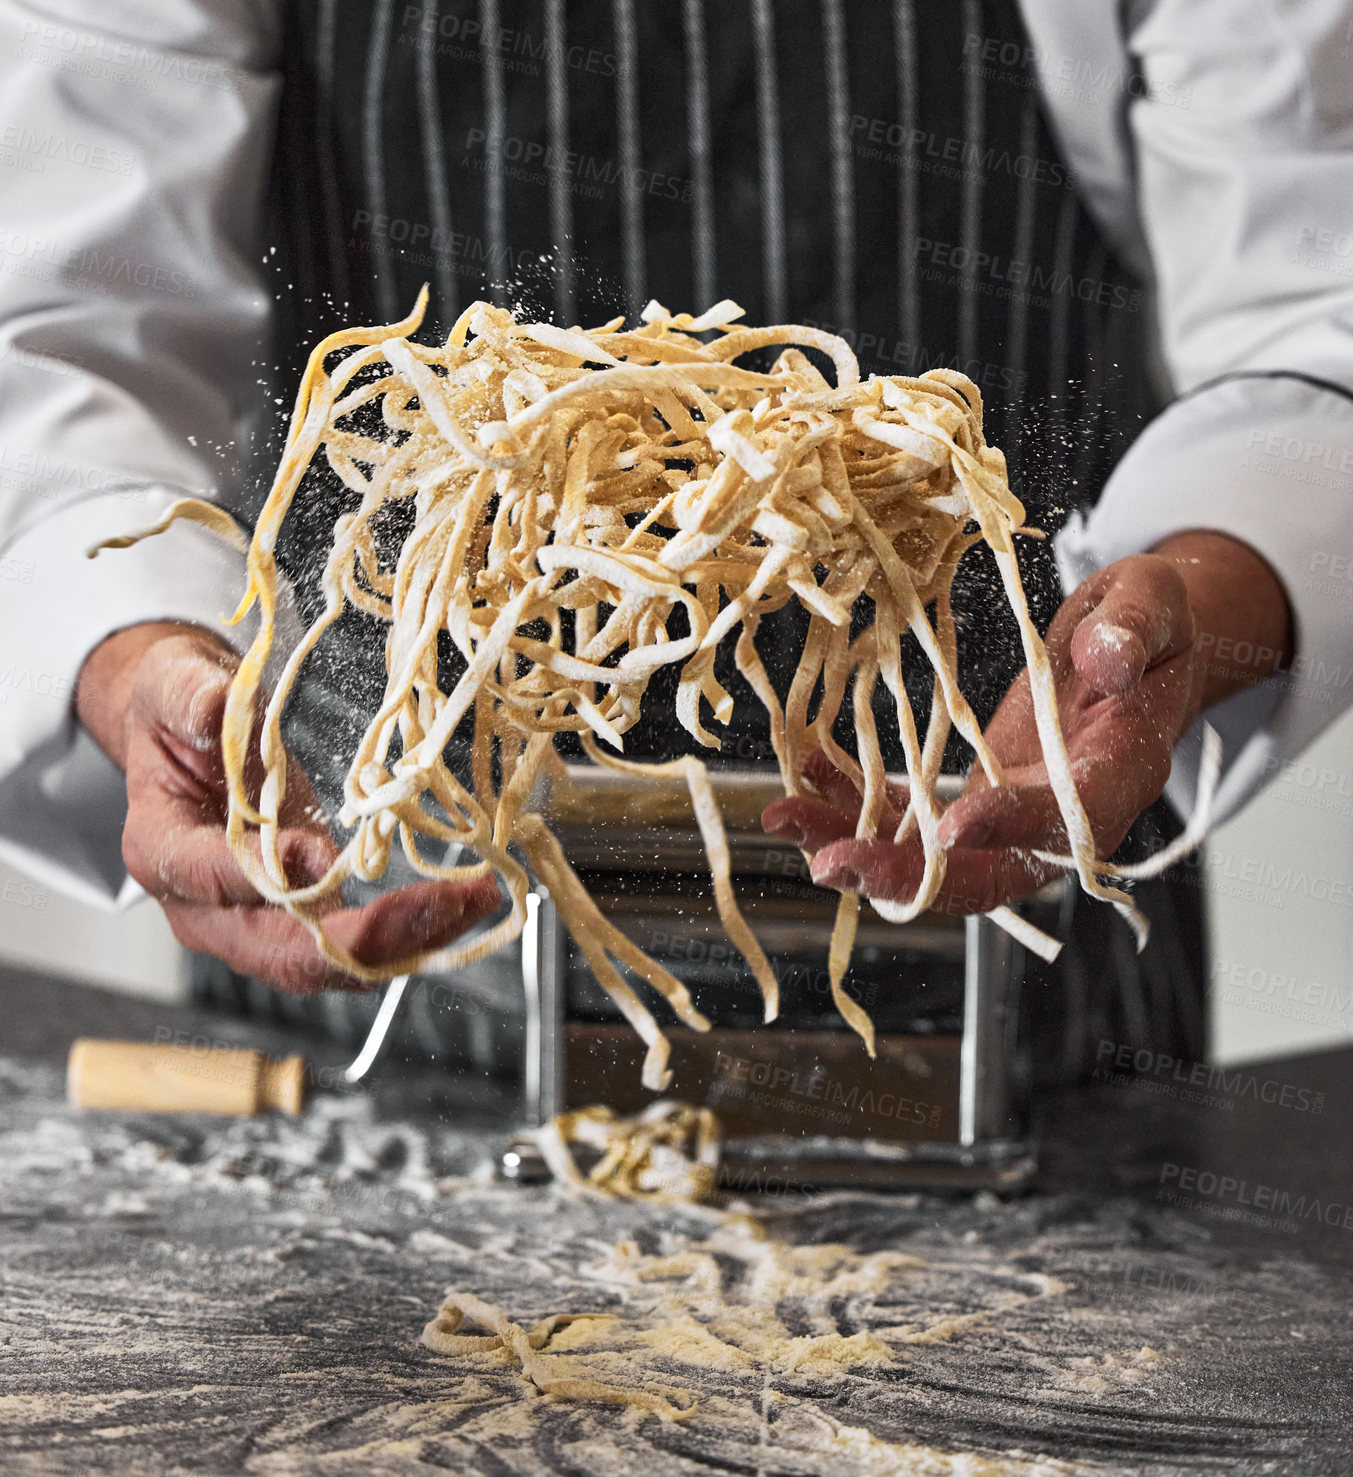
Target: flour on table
{"points": [[737, 1301]]}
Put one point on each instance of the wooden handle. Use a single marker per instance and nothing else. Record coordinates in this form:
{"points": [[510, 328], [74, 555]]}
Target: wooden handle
{"points": [[138, 1077]]}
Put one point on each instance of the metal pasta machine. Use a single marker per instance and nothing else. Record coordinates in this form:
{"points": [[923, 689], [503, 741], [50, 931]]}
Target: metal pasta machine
{"points": [[802, 1104]]}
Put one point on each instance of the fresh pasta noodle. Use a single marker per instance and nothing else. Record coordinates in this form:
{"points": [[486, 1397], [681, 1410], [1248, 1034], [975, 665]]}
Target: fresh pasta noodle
{"points": [[669, 1153], [561, 1375], [589, 508], [735, 1309]]}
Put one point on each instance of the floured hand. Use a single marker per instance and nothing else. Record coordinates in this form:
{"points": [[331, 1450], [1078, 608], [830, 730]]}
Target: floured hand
{"points": [[153, 697], [1131, 677]]}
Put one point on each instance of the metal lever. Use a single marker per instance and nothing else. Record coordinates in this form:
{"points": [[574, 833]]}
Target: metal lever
{"points": [[374, 1046]]}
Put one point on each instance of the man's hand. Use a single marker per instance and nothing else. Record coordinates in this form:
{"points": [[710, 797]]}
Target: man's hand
{"points": [[1128, 662], [153, 696]]}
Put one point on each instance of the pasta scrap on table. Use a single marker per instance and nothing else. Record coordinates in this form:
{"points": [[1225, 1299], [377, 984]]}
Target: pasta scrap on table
{"points": [[669, 1153], [589, 508], [738, 1301], [552, 1373]]}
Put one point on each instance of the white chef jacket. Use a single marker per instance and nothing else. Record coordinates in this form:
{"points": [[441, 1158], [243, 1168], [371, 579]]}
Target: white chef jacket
{"points": [[1211, 139]]}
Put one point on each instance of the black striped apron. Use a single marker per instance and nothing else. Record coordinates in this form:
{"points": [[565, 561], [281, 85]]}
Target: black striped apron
{"points": [[882, 169]]}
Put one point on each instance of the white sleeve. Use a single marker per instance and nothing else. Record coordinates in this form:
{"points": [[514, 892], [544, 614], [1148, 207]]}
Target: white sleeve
{"points": [[135, 137], [1243, 138]]}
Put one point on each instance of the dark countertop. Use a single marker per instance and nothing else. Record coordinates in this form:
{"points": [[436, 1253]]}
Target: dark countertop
{"points": [[190, 1295]]}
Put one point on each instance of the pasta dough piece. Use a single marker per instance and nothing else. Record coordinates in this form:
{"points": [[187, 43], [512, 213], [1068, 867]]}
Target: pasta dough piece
{"points": [[552, 1374], [742, 1303], [669, 1153]]}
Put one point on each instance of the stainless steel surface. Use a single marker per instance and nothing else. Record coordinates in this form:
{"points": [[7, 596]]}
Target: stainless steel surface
{"points": [[822, 1162], [989, 963], [542, 971], [779, 1164], [521, 1164], [942, 937], [379, 1035], [605, 823]]}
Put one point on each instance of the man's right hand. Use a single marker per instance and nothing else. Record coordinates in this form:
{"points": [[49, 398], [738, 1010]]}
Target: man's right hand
{"points": [[153, 696]]}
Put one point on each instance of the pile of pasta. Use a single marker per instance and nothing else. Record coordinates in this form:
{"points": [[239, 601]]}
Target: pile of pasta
{"points": [[583, 510], [668, 1154]]}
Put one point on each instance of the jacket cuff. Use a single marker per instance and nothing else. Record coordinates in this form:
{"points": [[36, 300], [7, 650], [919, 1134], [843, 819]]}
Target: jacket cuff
{"points": [[1267, 459], [62, 801]]}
